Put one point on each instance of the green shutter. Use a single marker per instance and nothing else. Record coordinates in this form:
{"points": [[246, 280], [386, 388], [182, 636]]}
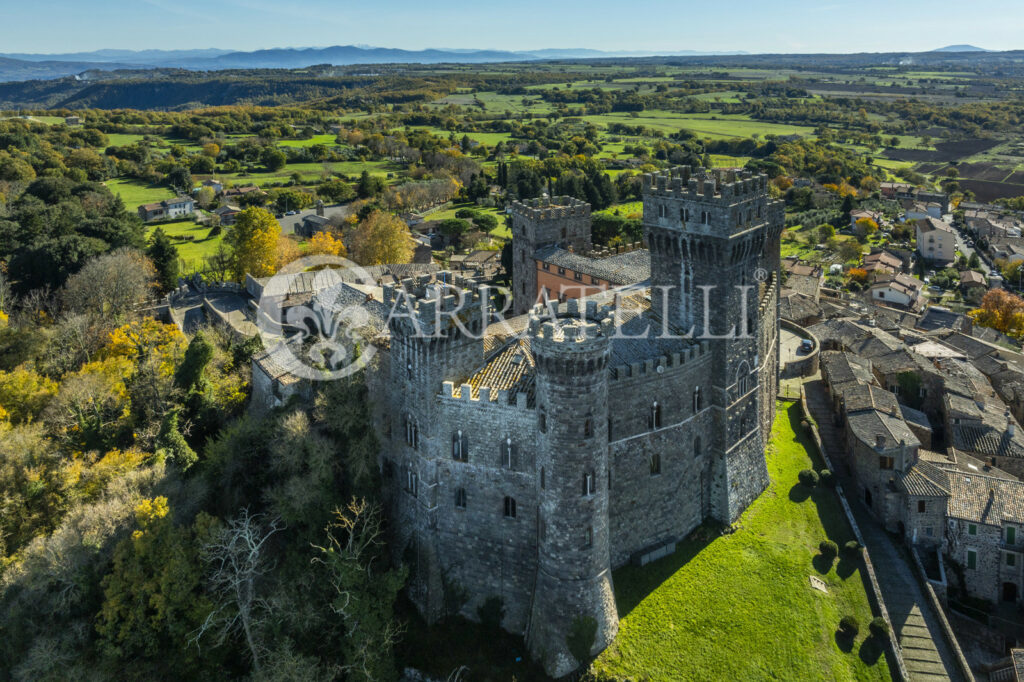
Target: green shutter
{"points": [[1011, 559], [972, 529], [972, 559], [1011, 535]]}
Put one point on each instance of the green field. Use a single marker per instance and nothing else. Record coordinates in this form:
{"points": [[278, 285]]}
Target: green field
{"points": [[328, 140], [122, 139], [740, 606], [135, 192], [192, 253], [714, 126]]}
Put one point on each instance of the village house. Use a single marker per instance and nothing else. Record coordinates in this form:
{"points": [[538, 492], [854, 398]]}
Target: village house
{"points": [[563, 274], [227, 213], [862, 214], [168, 209], [972, 280], [236, 193], [899, 290], [216, 185], [880, 264], [936, 240]]}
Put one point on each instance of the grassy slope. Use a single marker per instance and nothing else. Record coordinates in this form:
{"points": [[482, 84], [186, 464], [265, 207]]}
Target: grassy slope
{"points": [[740, 607], [135, 192], [192, 252]]}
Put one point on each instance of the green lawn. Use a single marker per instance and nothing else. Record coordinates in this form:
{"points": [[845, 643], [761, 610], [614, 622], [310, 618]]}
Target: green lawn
{"points": [[739, 606], [501, 230], [134, 192], [714, 125], [328, 140], [192, 252]]}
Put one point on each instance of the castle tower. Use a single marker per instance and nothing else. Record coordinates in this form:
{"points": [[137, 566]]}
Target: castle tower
{"points": [[437, 329], [713, 237], [574, 575], [536, 223]]}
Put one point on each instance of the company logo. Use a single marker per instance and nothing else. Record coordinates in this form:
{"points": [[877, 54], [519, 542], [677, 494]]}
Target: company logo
{"points": [[312, 327]]}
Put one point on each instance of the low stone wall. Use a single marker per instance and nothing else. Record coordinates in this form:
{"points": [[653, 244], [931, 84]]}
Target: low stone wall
{"points": [[900, 673], [808, 364], [977, 632], [947, 631]]}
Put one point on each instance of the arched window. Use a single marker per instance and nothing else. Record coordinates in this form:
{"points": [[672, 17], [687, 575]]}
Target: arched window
{"points": [[510, 507], [412, 482], [506, 453], [698, 404], [543, 479], [697, 447], [588, 427], [654, 421], [460, 498], [412, 432], [542, 419], [588, 538], [609, 429], [655, 464], [460, 446]]}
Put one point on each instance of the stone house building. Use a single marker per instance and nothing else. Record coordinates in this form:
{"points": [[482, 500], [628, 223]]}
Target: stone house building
{"points": [[168, 209], [936, 240]]}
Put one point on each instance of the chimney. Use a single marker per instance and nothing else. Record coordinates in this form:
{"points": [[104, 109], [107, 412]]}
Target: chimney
{"points": [[1011, 428], [320, 207], [879, 441]]}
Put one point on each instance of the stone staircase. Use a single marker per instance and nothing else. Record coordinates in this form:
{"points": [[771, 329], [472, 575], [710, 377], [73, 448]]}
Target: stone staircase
{"points": [[924, 649]]}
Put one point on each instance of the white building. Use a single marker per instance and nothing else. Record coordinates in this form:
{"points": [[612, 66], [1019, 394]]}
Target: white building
{"points": [[936, 240]]}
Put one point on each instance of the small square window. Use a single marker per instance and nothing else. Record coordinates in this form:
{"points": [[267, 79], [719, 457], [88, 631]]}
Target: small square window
{"points": [[972, 529], [1011, 559], [922, 506], [928, 531], [1011, 535]]}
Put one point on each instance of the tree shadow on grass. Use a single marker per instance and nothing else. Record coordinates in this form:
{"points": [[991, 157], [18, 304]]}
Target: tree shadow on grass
{"points": [[822, 563], [871, 649], [799, 493], [847, 566], [844, 641], [633, 583]]}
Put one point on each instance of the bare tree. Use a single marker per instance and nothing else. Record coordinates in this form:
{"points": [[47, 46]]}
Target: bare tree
{"points": [[111, 285], [365, 591], [237, 560]]}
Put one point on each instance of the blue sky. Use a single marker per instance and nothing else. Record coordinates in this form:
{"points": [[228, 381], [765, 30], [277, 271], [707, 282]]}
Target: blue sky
{"points": [[657, 25]]}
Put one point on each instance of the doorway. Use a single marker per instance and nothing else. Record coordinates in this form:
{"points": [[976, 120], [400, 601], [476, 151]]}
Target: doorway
{"points": [[1010, 592]]}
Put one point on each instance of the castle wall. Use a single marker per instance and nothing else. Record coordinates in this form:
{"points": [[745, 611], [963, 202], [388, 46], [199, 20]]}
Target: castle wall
{"points": [[646, 508], [480, 550]]}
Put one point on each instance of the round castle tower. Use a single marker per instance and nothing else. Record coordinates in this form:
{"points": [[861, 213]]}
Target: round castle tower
{"points": [[574, 582]]}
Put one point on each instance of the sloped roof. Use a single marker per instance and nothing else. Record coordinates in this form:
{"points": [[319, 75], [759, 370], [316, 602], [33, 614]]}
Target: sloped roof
{"points": [[985, 499], [631, 267], [923, 479]]}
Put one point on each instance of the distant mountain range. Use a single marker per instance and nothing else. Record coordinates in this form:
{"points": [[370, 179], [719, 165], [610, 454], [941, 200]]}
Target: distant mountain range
{"points": [[21, 66], [961, 48], [91, 65]]}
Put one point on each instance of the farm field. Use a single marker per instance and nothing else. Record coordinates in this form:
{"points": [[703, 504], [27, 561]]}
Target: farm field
{"points": [[329, 140], [706, 611], [135, 192], [714, 126]]}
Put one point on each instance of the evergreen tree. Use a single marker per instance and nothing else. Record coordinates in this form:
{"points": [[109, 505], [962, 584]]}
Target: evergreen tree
{"points": [[164, 256]]}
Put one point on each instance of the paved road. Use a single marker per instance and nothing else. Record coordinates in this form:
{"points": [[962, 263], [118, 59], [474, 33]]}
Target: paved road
{"points": [[924, 648]]}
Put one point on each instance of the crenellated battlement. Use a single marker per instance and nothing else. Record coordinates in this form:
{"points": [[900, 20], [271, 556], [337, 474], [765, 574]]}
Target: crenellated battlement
{"points": [[551, 208], [486, 395], [672, 362], [722, 186], [431, 303]]}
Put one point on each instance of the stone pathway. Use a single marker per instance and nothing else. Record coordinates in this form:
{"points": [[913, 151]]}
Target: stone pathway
{"points": [[924, 648]]}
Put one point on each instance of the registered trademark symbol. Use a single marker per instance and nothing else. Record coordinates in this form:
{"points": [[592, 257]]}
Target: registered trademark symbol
{"points": [[760, 274]]}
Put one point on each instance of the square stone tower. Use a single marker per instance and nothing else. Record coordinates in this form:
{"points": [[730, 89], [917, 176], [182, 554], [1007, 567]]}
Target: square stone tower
{"points": [[713, 237], [541, 222]]}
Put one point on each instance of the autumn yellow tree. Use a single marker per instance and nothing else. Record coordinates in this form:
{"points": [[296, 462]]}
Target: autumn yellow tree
{"points": [[327, 244], [1001, 311], [381, 238], [866, 227], [253, 243]]}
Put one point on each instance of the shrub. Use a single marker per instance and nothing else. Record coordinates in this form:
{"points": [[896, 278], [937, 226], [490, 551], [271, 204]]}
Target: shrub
{"points": [[466, 213], [828, 548], [879, 628], [580, 639], [214, 231], [852, 549], [828, 479], [849, 626], [808, 477]]}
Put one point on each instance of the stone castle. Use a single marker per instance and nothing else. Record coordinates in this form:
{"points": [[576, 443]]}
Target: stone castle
{"points": [[527, 459]]}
